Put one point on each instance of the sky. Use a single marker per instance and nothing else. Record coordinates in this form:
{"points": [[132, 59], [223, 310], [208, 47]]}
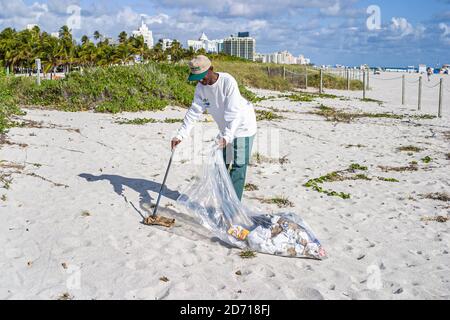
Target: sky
{"points": [[329, 32]]}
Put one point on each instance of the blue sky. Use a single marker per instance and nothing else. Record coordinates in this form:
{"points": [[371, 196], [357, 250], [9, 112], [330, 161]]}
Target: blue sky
{"points": [[327, 31]]}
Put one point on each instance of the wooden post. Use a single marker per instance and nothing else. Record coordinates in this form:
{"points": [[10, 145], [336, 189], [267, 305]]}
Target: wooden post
{"points": [[403, 89], [364, 84], [268, 71], [306, 77], [284, 72], [321, 81], [420, 94], [38, 68], [348, 80], [368, 79], [441, 97]]}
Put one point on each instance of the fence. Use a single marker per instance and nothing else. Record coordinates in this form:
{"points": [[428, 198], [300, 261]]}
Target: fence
{"points": [[318, 78], [301, 80], [422, 87]]}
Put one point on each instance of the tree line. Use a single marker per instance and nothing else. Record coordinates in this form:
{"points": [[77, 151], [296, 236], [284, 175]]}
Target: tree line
{"points": [[20, 49]]}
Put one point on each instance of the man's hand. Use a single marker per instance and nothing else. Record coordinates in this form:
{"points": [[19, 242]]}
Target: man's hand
{"points": [[222, 143], [175, 142]]}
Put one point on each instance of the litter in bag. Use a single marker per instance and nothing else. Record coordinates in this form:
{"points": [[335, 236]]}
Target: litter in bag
{"points": [[212, 200]]}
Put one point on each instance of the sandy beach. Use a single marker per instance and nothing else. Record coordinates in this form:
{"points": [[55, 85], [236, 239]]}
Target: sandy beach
{"points": [[81, 184]]}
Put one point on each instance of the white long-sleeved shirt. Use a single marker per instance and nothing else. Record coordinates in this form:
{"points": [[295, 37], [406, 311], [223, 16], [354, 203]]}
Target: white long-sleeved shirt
{"points": [[234, 115]]}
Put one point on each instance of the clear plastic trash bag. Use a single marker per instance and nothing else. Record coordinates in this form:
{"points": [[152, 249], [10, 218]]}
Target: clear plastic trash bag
{"points": [[211, 199]]}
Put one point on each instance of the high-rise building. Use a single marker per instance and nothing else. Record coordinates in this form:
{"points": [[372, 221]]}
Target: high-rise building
{"points": [[243, 47], [145, 33]]}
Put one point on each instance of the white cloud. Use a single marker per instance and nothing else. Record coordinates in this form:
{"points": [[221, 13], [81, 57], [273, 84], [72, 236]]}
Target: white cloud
{"points": [[401, 28], [333, 10]]}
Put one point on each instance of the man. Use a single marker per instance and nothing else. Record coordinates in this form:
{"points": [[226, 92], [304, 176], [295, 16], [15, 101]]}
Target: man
{"points": [[218, 94]]}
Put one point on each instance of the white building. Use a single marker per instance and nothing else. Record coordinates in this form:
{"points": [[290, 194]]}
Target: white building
{"points": [[31, 26], [282, 57], [145, 33], [55, 34], [166, 44], [210, 46]]}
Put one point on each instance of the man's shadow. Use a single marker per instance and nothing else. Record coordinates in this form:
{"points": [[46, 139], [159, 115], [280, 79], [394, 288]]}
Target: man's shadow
{"points": [[141, 186]]}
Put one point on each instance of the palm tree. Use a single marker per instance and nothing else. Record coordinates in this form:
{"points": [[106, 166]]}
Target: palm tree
{"points": [[51, 53], [123, 37], [97, 35], [8, 42], [67, 47], [84, 39], [176, 51], [139, 46]]}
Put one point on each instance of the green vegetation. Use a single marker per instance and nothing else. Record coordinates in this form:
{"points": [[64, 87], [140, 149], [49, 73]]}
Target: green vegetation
{"points": [[250, 96], [355, 166], [251, 187], [255, 75], [172, 120], [388, 179], [262, 115], [150, 86], [8, 106], [343, 175], [247, 254], [409, 149], [372, 100], [308, 96], [142, 121], [280, 201], [427, 159], [332, 114], [19, 49], [137, 121], [412, 167], [303, 97], [260, 158]]}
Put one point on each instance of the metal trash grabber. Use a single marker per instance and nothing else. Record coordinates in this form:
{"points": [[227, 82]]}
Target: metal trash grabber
{"points": [[154, 219]]}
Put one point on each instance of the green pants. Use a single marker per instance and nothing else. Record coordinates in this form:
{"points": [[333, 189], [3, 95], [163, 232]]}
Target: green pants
{"points": [[238, 155]]}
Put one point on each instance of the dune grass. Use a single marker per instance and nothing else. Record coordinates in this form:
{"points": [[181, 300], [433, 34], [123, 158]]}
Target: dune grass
{"points": [[409, 149], [151, 86], [350, 174], [264, 115], [336, 115], [255, 75], [8, 104]]}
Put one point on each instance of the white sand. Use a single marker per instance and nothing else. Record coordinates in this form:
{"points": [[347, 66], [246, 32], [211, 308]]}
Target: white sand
{"points": [[377, 244]]}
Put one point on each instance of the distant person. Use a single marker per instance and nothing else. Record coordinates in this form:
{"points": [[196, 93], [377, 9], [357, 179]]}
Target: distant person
{"points": [[429, 73], [218, 93]]}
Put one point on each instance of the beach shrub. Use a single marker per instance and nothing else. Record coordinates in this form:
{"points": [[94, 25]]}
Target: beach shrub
{"points": [[8, 105], [113, 89]]}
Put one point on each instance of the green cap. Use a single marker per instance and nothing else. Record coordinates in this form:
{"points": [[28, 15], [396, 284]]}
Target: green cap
{"points": [[197, 77]]}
